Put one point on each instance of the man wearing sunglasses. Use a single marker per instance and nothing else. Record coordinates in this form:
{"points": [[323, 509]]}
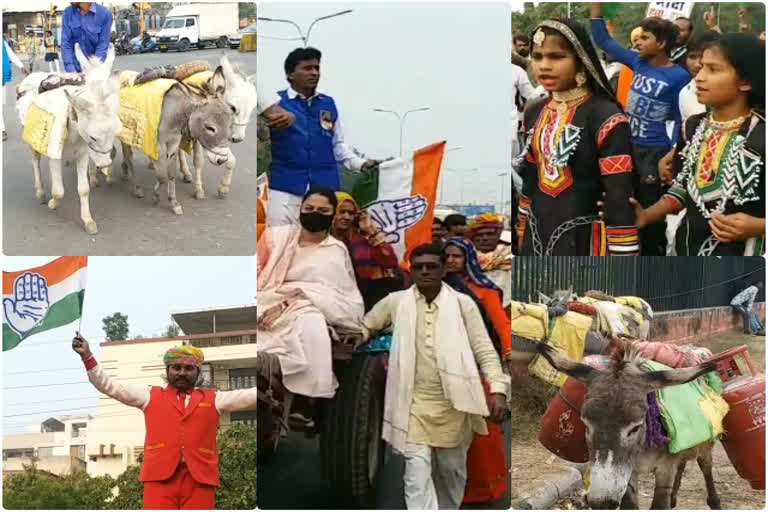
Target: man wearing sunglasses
{"points": [[434, 401]]}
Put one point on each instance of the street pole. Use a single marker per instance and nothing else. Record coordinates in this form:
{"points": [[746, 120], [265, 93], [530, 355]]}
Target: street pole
{"points": [[501, 205], [461, 181], [442, 174], [304, 38], [401, 119]]}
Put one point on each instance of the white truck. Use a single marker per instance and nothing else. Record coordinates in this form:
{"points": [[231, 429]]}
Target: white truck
{"points": [[198, 24]]}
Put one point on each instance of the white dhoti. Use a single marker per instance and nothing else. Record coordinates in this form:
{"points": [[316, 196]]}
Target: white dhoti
{"points": [[435, 478], [283, 208]]}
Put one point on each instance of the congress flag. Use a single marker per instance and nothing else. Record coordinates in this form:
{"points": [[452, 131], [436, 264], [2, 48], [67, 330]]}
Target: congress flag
{"points": [[42, 298], [400, 197]]}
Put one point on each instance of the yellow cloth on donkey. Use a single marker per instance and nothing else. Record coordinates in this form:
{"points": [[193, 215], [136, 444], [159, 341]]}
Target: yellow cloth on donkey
{"points": [[45, 119], [142, 105], [140, 109], [568, 336], [529, 320], [199, 79]]}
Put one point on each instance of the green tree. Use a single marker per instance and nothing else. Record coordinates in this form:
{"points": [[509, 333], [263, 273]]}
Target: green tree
{"points": [[237, 466], [37, 490], [247, 9], [629, 15], [263, 147], [115, 327], [172, 331], [130, 489]]}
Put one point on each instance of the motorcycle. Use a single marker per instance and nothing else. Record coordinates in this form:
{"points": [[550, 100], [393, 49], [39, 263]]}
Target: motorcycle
{"points": [[144, 45], [123, 44]]}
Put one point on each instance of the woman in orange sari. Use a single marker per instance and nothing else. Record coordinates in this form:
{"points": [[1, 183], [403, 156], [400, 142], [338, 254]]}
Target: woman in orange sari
{"points": [[487, 466]]}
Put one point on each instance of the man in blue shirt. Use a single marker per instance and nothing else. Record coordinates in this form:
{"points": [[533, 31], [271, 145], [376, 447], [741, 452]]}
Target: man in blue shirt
{"points": [[88, 24], [653, 100], [308, 153]]}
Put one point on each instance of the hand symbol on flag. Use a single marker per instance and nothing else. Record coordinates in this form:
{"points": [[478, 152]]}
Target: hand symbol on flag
{"points": [[29, 304], [394, 217]]}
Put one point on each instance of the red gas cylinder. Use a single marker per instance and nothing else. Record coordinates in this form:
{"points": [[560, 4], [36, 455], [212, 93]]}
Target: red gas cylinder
{"points": [[744, 390], [562, 431]]}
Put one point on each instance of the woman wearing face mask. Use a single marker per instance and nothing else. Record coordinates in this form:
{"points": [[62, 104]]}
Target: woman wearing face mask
{"points": [[375, 262], [305, 284]]}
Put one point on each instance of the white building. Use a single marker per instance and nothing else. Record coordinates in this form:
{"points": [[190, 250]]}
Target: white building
{"points": [[59, 447]]}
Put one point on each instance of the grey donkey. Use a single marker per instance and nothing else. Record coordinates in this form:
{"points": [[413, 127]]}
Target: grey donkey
{"points": [[614, 413], [188, 112]]}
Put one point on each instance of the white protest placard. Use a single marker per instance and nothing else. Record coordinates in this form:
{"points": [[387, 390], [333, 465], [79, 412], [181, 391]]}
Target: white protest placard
{"points": [[670, 10]]}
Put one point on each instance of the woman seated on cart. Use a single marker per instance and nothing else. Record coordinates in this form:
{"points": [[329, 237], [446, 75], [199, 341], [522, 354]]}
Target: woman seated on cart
{"points": [[306, 283]]}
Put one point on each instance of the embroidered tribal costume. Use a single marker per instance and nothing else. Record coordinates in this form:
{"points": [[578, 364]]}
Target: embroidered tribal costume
{"points": [[719, 169], [579, 149]]}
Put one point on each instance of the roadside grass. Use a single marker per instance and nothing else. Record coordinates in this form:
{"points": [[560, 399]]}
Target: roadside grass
{"points": [[530, 397]]}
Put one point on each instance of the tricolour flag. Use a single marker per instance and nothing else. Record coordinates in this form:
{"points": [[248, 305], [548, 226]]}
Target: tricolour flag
{"points": [[42, 298], [400, 197]]}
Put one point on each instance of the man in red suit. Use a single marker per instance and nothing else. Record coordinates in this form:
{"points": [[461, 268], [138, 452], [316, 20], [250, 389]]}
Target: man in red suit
{"points": [[181, 460]]}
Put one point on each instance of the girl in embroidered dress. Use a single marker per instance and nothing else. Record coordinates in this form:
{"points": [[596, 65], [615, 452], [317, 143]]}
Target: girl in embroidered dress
{"points": [[579, 150], [720, 164]]}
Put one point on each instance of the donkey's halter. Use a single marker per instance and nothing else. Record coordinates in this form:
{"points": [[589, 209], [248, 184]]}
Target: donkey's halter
{"points": [[107, 152]]}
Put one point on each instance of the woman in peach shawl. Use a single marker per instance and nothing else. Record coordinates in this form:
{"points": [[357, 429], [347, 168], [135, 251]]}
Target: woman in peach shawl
{"points": [[305, 284]]}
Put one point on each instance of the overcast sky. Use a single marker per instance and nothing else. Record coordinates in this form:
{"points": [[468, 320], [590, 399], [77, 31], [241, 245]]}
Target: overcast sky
{"points": [[147, 289], [451, 57]]}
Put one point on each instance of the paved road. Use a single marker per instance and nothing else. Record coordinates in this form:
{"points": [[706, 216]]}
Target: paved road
{"points": [[130, 226], [293, 480]]}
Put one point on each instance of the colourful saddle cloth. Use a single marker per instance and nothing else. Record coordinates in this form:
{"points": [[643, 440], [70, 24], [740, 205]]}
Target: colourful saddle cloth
{"points": [[691, 413]]}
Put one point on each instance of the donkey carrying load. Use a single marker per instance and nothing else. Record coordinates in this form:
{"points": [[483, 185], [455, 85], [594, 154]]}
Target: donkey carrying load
{"points": [[240, 97], [161, 116], [72, 122], [615, 413]]}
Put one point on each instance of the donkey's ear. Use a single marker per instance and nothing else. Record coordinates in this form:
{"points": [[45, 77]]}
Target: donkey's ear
{"points": [[581, 372], [85, 64], [252, 78], [80, 105], [218, 83], [664, 378]]}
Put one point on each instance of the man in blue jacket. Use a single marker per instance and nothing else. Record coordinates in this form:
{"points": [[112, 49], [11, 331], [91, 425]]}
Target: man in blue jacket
{"points": [[88, 24], [306, 154]]}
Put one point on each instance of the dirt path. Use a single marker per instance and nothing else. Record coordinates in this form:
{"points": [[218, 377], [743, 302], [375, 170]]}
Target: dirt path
{"points": [[532, 464]]}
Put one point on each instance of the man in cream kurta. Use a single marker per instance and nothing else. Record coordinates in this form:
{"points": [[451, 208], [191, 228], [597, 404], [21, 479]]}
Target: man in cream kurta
{"points": [[435, 436]]}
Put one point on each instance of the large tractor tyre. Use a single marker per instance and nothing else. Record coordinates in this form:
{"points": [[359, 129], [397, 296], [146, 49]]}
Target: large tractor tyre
{"points": [[351, 448], [184, 45]]}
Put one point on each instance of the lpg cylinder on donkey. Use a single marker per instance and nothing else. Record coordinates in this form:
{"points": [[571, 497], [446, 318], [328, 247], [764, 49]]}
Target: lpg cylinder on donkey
{"points": [[564, 434]]}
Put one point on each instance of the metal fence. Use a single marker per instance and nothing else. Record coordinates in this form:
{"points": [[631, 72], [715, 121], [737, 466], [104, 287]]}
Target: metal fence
{"points": [[667, 283]]}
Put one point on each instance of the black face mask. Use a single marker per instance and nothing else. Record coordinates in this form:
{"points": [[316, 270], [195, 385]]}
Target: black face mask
{"points": [[314, 222]]}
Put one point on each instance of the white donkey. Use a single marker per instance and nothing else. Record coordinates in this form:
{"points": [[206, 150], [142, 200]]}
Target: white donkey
{"points": [[240, 96], [92, 123]]}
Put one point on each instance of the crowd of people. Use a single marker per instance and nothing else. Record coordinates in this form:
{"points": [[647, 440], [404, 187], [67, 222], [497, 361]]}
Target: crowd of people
{"points": [[678, 137], [445, 308]]}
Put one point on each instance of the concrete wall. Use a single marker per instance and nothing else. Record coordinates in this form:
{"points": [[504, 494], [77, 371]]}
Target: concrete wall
{"points": [[62, 465], [692, 325]]}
